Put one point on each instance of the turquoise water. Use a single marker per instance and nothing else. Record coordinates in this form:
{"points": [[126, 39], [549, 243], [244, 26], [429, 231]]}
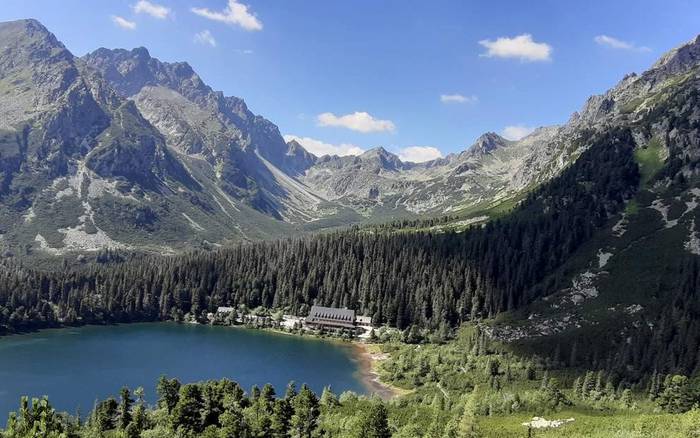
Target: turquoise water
{"points": [[78, 365]]}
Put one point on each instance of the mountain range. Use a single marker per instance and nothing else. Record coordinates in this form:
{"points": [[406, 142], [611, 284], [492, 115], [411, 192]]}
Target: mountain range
{"points": [[119, 150]]}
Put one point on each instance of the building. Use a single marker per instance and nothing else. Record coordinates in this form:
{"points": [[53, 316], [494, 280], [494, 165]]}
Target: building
{"points": [[363, 320], [330, 318]]}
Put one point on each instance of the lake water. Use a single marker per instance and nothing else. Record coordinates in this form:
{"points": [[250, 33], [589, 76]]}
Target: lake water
{"points": [[75, 366]]}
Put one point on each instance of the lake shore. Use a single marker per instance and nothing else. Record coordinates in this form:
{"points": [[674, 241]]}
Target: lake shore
{"points": [[369, 358]]}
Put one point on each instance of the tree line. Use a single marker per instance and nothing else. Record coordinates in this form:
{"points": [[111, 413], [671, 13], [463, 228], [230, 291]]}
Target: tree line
{"points": [[214, 409]]}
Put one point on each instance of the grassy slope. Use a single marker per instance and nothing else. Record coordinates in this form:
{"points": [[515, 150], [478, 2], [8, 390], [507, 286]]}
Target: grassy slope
{"points": [[440, 377]]}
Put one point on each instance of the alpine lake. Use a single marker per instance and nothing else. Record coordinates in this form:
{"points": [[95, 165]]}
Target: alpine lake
{"points": [[76, 366]]}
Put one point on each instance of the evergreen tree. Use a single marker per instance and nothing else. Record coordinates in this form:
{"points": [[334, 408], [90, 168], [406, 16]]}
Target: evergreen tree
{"points": [[677, 396], [306, 413], [125, 408], [168, 392], [468, 424], [232, 421], [626, 398], [187, 412], [328, 398], [374, 423], [281, 418]]}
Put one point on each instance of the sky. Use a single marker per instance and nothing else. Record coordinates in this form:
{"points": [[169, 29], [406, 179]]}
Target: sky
{"points": [[420, 78]]}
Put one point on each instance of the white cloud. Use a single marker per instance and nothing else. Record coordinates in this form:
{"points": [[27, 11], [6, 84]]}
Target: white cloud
{"points": [[123, 22], [235, 13], [521, 47], [153, 9], [516, 132], [458, 98], [205, 37], [319, 148], [244, 51], [614, 43], [359, 121], [419, 154]]}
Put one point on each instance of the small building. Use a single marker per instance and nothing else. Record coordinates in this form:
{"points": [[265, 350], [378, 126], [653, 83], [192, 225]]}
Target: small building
{"points": [[331, 318], [363, 320]]}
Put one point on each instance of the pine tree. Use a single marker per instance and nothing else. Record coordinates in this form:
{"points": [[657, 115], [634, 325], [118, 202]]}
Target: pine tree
{"points": [[577, 387], [124, 408], [306, 413], [374, 423], [187, 412], [626, 398], [676, 397], [468, 423], [588, 385]]}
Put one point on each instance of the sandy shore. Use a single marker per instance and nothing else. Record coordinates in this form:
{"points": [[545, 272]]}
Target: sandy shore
{"points": [[368, 363]]}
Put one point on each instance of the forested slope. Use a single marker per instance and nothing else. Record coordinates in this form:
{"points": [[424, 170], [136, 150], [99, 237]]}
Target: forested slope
{"points": [[401, 279]]}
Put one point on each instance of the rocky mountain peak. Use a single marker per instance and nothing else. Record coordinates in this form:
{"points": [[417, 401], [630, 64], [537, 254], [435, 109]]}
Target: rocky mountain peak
{"points": [[382, 158], [28, 41], [27, 30], [129, 71], [375, 152], [488, 142], [680, 59]]}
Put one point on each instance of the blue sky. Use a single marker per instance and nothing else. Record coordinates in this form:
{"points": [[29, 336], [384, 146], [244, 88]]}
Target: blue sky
{"points": [[350, 75]]}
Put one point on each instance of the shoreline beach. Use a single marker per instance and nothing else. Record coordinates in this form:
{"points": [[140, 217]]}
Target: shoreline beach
{"points": [[368, 362]]}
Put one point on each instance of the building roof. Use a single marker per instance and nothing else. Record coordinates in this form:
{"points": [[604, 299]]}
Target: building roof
{"points": [[331, 316]]}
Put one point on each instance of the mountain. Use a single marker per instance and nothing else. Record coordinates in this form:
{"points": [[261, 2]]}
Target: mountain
{"points": [[66, 138], [490, 171], [120, 150], [86, 164]]}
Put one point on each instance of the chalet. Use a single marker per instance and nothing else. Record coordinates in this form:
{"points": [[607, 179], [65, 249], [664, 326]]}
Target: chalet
{"points": [[331, 318]]}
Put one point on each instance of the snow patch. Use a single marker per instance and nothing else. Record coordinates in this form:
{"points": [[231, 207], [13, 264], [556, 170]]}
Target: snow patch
{"points": [[659, 206], [44, 245], [541, 423], [603, 258], [30, 215], [690, 205], [195, 226], [692, 245], [620, 228], [68, 191]]}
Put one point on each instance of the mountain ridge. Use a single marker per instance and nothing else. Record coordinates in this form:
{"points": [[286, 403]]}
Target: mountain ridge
{"points": [[215, 172]]}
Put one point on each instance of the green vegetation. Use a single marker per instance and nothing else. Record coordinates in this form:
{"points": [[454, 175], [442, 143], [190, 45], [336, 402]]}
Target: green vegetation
{"points": [[650, 159], [465, 387]]}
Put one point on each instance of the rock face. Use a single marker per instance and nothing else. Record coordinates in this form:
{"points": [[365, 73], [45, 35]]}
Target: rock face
{"points": [[118, 149]]}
